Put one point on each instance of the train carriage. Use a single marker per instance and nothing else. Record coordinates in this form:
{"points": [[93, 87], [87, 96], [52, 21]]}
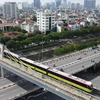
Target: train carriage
{"points": [[11, 56], [34, 65], [71, 80], [54, 73]]}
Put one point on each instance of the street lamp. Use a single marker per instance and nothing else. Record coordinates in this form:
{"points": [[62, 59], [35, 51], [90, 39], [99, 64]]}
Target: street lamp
{"points": [[23, 98], [42, 50], [30, 97], [0, 38]]}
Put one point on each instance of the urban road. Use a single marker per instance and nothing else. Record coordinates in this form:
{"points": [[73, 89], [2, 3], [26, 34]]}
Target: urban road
{"points": [[63, 60], [12, 87]]}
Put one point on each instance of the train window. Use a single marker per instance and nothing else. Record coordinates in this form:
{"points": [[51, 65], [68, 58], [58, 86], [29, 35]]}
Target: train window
{"points": [[69, 79], [54, 65], [92, 86], [33, 65]]}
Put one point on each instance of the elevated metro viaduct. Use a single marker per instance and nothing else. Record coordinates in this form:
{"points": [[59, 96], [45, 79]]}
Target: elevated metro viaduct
{"points": [[50, 84]]}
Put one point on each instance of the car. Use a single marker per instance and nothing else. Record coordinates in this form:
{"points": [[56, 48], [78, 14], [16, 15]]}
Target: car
{"points": [[79, 58]]}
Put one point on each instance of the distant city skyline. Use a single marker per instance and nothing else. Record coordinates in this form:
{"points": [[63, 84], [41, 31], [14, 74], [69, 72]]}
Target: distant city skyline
{"points": [[45, 1]]}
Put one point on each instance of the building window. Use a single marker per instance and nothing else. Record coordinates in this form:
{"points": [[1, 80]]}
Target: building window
{"points": [[49, 22]]}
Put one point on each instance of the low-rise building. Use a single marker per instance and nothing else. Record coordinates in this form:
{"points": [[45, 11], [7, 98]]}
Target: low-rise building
{"points": [[29, 27], [73, 26], [4, 26]]}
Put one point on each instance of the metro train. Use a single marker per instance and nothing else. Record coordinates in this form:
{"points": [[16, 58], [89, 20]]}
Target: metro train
{"points": [[54, 73]]}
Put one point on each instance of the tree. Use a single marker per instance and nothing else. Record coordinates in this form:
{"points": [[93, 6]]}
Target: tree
{"points": [[37, 32], [55, 36], [57, 51], [92, 43], [80, 46], [54, 29], [4, 40], [34, 18], [21, 37], [11, 44]]}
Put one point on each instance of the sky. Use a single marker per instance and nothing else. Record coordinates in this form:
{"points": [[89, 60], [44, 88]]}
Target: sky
{"points": [[44, 1]]}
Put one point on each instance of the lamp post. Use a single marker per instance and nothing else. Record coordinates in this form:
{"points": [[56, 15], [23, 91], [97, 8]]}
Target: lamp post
{"points": [[23, 98], [0, 38], [42, 50], [30, 97]]}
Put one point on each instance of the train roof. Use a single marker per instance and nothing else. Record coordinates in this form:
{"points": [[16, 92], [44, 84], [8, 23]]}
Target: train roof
{"points": [[27, 60], [72, 77], [34, 62], [13, 54]]}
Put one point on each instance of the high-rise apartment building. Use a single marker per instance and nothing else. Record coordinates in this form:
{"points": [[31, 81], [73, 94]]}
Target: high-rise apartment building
{"points": [[45, 20], [25, 5], [73, 6], [89, 4], [78, 6], [10, 10], [37, 3], [58, 3], [64, 3], [19, 5]]}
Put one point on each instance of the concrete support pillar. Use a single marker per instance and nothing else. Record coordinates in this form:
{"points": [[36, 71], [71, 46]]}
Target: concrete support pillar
{"points": [[2, 72], [1, 51]]}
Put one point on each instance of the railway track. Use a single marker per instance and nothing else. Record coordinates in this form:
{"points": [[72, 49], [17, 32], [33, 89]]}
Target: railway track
{"points": [[96, 93]]}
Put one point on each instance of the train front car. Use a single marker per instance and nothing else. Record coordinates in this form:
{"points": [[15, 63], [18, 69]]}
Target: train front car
{"points": [[11, 56], [71, 80], [26, 62]]}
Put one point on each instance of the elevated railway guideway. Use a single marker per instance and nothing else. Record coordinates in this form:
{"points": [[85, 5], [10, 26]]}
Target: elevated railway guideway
{"points": [[57, 87]]}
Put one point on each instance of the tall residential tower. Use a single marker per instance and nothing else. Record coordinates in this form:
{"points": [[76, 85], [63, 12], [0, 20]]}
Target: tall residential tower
{"points": [[10, 10], [64, 3], [37, 3], [58, 3], [89, 4]]}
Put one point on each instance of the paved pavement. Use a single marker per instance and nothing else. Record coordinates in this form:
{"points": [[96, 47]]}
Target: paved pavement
{"points": [[12, 87], [82, 64], [15, 90], [6, 81]]}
